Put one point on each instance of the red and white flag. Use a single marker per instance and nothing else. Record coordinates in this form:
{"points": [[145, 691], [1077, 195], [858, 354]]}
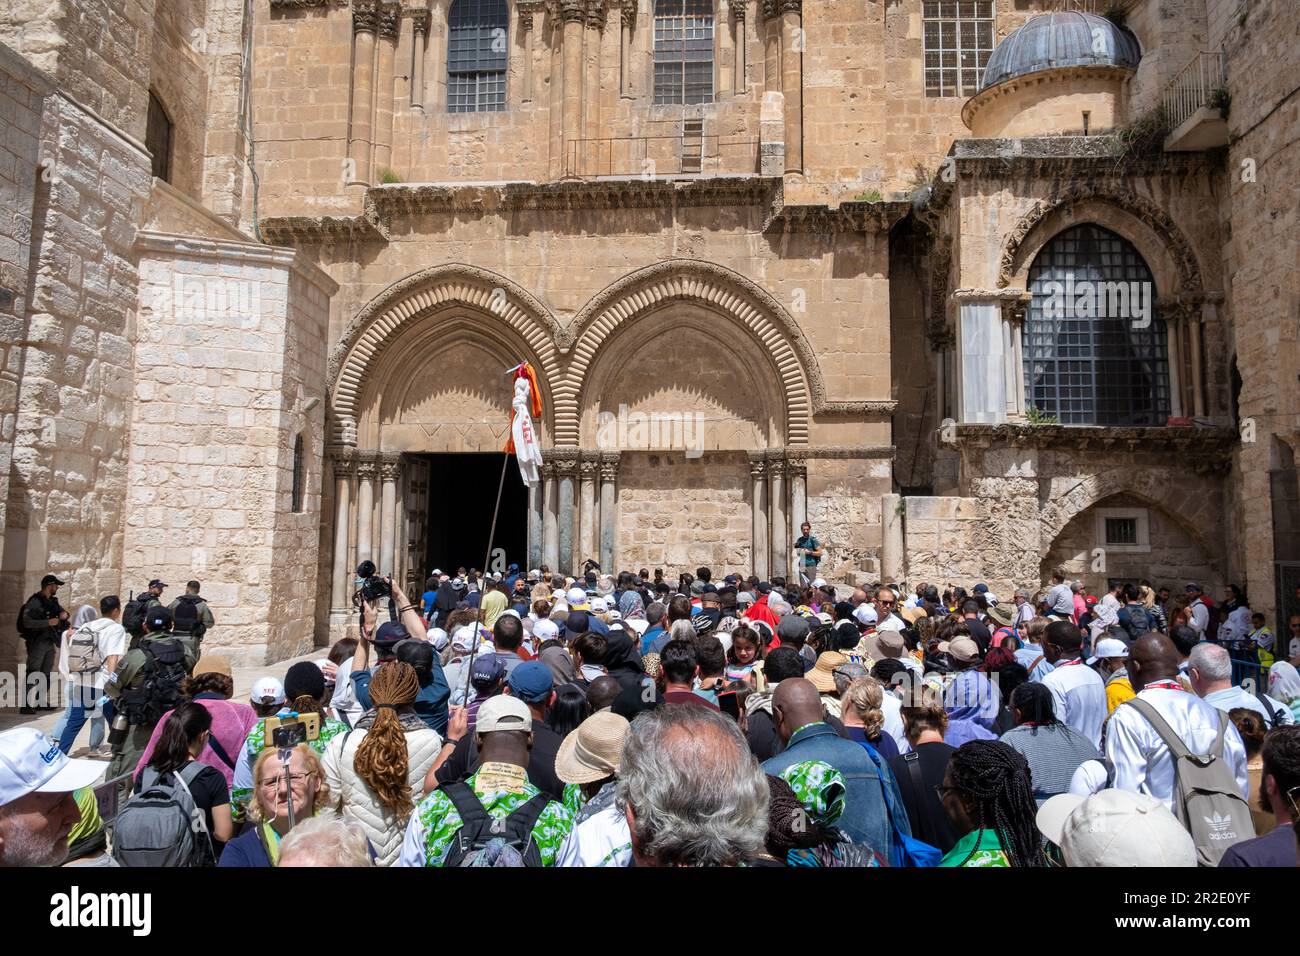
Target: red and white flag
{"points": [[526, 406]]}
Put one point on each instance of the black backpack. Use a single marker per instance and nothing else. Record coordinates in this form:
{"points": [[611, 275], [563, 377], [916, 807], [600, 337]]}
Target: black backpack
{"points": [[484, 840], [187, 619], [134, 613], [159, 689]]}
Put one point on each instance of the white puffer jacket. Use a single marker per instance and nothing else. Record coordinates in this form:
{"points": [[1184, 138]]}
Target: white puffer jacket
{"points": [[355, 798]]}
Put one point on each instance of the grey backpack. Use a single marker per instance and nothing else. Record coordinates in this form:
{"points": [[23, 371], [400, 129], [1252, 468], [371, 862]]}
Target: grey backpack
{"points": [[1207, 800], [161, 825]]}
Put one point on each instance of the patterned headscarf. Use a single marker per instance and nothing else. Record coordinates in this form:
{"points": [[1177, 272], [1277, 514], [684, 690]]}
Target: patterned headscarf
{"points": [[631, 606], [819, 787]]}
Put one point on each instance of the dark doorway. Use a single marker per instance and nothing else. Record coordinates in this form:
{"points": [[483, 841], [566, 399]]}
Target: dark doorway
{"points": [[462, 493]]}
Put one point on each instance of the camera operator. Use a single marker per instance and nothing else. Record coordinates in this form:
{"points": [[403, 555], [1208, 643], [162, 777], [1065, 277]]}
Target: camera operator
{"points": [[407, 623]]}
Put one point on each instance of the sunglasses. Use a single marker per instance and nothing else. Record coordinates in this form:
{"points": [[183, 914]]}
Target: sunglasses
{"points": [[887, 603]]}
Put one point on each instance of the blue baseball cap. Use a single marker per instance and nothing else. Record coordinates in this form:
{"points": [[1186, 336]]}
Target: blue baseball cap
{"points": [[488, 670], [531, 682]]}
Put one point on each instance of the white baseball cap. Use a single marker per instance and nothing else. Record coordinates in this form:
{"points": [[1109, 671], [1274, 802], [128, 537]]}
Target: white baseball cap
{"points": [[503, 712], [31, 762], [1108, 647], [576, 595], [819, 583], [463, 637], [545, 629], [599, 604], [1115, 828], [865, 614], [266, 691]]}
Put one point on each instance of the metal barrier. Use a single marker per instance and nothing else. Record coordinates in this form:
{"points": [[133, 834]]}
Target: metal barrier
{"points": [[656, 156], [1194, 86]]}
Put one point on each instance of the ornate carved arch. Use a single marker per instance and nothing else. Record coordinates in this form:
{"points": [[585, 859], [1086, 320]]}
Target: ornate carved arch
{"points": [[1142, 208], [417, 295], [713, 287]]}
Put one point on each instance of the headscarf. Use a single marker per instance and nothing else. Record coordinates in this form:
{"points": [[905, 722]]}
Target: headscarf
{"points": [[1284, 683], [493, 604], [85, 614], [631, 606], [820, 788], [560, 663], [446, 599], [623, 658]]}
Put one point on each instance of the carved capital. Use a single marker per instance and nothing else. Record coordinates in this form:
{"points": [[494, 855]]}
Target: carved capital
{"points": [[390, 465], [588, 469], [738, 10], [757, 469], [796, 467], [526, 10], [367, 468], [343, 460], [390, 20], [791, 6], [420, 21], [548, 471], [776, 468], [572, 11], [771, 8], [365, 16], [594, 14], [609, 462], [627, 13]]}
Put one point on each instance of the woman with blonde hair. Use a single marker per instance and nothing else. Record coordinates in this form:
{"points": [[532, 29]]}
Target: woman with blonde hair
{"points": [[864, 721], [1148, 598], [376, 770], [277, 785]]}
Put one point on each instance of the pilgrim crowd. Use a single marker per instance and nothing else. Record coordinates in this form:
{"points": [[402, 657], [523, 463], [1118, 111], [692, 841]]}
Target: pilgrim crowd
{"points": [[537, 719]]}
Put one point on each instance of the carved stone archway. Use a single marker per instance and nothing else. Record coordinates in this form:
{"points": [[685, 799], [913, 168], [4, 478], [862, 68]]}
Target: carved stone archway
{"points": [[417, 296]]}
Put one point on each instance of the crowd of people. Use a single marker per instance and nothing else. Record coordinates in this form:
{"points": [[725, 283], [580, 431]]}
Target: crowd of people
{"points": [[537, 719]]}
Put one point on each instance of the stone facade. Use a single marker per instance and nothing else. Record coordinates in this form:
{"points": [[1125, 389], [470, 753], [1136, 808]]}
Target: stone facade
{"points": [[823, 268]]}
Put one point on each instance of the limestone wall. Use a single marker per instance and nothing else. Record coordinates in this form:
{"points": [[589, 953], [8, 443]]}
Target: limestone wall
{"points": [[231, 353], [178, 76], [71, 436]]}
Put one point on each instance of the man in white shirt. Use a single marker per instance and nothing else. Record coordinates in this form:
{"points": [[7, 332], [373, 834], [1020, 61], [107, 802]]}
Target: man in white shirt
{"points": [[1114, 597], [1141, 759], [1209, 668], [87, 687], [1025, 609], [1200, 612], [1060, 599], [1078, 692]]}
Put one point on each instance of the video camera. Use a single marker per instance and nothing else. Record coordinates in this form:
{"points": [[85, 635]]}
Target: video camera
{"points": [[373, 587], [285, 733]]}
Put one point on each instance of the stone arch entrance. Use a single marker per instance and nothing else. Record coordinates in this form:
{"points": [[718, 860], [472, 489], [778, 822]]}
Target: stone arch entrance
{"points": [[419, 414]]}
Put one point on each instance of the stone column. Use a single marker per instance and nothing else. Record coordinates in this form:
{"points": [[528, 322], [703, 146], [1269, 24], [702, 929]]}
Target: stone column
{"points": [[724, 54], [771, 46], [390, 469], [573, 14], [1173, 328], [594, 19], [385, 53], [420, 26], [367, 470], [535, 500], [550, 517], [365, 24], [345, 467], [792, 43], [627, 21], [891, 546], [566, 471], [797, 470], [588, 471], [758, 553], [780, 537], [525, 11], [1194, 346], [608, 514], [742, 47]]}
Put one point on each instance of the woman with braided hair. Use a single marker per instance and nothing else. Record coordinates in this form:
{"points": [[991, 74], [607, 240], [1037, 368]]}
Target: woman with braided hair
{"points": [[377, 769], [986, 793]]}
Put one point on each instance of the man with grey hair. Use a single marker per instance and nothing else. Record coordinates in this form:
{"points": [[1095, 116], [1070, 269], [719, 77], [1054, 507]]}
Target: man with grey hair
{"points": [[325, 841], [1025, 609], [691, 791], [1209, 669]]}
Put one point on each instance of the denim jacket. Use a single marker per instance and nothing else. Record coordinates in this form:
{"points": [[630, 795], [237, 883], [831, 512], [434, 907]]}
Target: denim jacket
{"points": [[866, 814]]}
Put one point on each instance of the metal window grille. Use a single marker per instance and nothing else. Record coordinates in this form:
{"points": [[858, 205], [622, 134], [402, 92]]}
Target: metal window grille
{"points": [[683, 51], [477, 56], [958, 41], [1089, 363], [1121, 531], [299, 467]]}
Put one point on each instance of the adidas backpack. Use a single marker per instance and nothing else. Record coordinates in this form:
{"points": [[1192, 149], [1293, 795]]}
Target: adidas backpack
{"points": [[484, 840], [1207, 800], [161, 825]]}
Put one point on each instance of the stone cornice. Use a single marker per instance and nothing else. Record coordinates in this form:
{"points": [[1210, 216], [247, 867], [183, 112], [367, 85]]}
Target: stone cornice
{"points": [[305, 4], [321, 230], [797, 452], [244, 253], [1055, 157], [852, 216], [856, 409], [1203, 445]]}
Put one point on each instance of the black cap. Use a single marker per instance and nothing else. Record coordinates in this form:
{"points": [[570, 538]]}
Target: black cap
{"points": [[158, 583], [763, 587], [50, 579], [389, 633], [158, 619]]}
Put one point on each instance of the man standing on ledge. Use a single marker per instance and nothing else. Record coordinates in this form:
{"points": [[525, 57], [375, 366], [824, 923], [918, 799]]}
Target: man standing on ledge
{"points": [[810, 553]]}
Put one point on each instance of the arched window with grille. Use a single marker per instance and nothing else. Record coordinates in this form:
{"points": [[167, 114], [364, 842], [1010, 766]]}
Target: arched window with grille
{"points": [[683, 51], [1095, 345], [299, 474], [477, 55]]}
